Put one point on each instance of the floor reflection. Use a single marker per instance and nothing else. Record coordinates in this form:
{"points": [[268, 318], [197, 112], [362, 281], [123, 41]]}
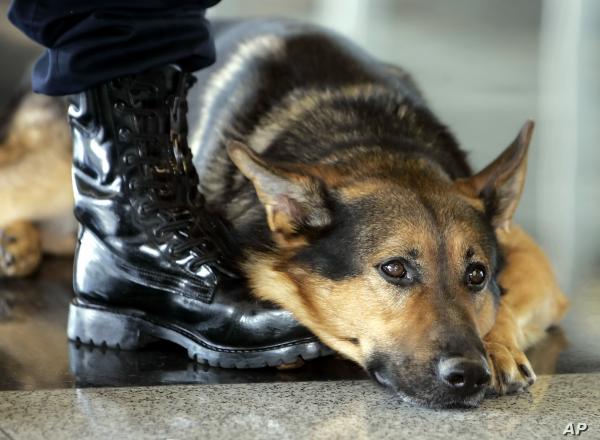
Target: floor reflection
{"points": [[165, 364]]}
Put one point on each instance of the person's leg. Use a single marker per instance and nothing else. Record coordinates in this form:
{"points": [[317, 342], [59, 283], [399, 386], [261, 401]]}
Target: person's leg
{"points": [[90, 42], [151, 261]]}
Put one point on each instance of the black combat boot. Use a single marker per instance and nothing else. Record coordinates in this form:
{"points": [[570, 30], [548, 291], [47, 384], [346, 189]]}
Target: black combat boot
{"points": [[151, 262]]}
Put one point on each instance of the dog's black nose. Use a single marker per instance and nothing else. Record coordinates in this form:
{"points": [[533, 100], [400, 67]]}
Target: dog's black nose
{"points": [[464, 375]]}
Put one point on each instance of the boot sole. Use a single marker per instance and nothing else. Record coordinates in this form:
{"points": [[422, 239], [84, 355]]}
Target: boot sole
{"points": [[122, 329]]}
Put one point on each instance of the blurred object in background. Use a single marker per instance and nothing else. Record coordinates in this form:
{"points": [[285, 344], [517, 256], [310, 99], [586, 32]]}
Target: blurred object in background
{"points": [[17, 53]]}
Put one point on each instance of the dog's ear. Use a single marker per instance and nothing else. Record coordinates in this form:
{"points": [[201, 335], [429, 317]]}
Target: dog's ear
{"points": [[293, 202], [500, 184]]}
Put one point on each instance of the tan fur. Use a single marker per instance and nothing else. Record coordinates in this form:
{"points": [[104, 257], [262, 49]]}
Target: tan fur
{"points": [[533, 303], [35, 179], [537, 300]]}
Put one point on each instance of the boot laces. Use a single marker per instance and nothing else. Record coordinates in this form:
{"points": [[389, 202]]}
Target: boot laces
{"points": [[166, 183]]}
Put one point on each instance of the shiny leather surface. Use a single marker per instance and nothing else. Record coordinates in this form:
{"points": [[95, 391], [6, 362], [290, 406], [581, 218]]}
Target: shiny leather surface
{"points": [[130, 189]]}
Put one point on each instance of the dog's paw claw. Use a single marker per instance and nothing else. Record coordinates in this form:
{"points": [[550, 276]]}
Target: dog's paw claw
{"points": [[20, 249], [511, 370], [528, 373]]}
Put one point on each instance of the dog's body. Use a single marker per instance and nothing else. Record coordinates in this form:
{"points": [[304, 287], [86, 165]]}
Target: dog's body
{"points": [[36, 202], [355, 209], [297, 93]]}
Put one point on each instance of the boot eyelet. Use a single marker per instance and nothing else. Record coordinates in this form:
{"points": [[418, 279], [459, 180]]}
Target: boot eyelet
{"points": [[159, 234], [207, 245], [119, 106], [124, 133], [133, 185], [174, 253], [129, 159], [195, 266]]}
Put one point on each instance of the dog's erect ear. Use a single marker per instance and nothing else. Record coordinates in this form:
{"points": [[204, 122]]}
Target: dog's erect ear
{"points": [[500, 184], [293, 202]]}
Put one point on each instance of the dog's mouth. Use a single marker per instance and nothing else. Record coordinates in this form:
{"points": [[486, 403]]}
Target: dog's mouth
{"points": [[428, 396], [436, 403]]}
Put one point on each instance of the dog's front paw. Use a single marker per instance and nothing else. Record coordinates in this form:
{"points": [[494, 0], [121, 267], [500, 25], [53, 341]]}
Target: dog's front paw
{"points": [[20, 249], [510, 368]]}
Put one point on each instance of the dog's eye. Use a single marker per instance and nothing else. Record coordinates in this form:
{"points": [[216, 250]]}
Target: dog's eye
{"points": [[394, 269], [397, 271], [476, 275]]}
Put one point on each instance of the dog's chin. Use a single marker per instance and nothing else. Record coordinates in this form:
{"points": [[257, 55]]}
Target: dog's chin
{"points": [[440, 402]]}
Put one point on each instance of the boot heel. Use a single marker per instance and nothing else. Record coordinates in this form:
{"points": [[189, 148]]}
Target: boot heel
{"points": [[103, 328]]}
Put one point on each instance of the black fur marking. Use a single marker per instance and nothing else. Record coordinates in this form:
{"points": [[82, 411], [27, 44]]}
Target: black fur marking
{"points": [[353, 341], [351, 121], [335, 253], [499, 264], [414, 253], [495, 256], [469, 254]]}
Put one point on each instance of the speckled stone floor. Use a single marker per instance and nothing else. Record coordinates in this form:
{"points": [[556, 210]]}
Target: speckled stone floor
{"points": [[300, 410]]}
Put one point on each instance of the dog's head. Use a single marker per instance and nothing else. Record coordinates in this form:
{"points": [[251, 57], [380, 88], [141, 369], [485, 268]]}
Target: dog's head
{"points": [[389, 261]]}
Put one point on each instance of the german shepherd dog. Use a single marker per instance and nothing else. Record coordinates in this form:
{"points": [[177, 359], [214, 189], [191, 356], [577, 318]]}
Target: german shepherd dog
{"points": [[356, 210]]}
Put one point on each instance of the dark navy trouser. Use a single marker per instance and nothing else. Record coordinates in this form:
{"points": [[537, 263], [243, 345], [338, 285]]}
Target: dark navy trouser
{"points": [[93, 41]]}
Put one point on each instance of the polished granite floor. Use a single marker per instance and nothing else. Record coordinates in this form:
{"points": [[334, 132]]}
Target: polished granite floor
{"points": [[486, 66], [298, 410]]}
